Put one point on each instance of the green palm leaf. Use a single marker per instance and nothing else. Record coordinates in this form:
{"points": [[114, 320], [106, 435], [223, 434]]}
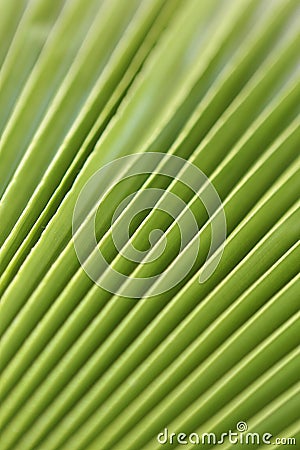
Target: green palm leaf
{"points": [[83, 83]]}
